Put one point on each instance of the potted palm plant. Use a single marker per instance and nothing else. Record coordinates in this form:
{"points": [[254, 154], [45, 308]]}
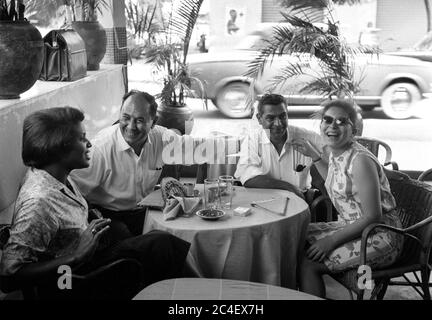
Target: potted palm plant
{"points": [[83, 14], [321, 43], [21, 50], [169, 56]]}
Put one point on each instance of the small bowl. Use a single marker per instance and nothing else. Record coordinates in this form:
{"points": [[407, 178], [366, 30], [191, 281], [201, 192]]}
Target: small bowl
{"points": [[210, 214]]}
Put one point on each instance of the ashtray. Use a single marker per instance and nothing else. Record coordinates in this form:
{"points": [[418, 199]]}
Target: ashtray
{"points": [[210, 214]]}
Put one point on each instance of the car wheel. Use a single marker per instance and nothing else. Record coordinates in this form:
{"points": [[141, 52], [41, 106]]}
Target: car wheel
{"points": [[398, 100], [232, 100]]}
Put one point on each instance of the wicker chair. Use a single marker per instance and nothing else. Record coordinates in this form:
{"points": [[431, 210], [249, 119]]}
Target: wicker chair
{"points": [[425, 175], [414, 206], [31, 288], [373, 145]]}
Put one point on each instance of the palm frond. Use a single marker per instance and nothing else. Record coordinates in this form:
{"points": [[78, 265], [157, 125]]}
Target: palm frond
{"points": [[321, 42], [183, 21], [304, 4], [171, 55], [290, 71]]}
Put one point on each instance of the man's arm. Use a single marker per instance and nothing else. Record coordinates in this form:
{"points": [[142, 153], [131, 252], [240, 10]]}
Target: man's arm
{"points": [[266, 182]]}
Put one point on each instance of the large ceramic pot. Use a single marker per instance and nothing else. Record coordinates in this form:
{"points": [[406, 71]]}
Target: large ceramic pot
{"points": [[179, 118], [21, 57], [95, 40]]}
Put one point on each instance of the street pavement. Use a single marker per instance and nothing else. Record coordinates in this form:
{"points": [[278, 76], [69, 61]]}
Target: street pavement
{"points": [[409, 139]]}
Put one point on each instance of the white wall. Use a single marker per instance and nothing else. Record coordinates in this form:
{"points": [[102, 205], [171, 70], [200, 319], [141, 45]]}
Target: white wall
{"points": [[402, 23], [251, 16], [98, 95], [353, 19]]}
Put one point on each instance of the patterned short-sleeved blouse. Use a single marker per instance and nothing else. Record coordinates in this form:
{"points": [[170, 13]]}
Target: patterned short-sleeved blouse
{"points": [[48, 221]]}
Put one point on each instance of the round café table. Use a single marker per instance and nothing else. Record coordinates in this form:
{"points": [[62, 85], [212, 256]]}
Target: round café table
{"points": [[217, 289], [263, 247]]}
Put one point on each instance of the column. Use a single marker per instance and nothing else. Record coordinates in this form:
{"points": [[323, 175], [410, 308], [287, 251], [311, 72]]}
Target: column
{"points": [[113, 20]]}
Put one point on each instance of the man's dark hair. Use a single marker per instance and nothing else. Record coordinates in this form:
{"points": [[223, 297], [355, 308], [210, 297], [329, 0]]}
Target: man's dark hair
{"points": [[47, 135], [147, 97], [272, 99]]}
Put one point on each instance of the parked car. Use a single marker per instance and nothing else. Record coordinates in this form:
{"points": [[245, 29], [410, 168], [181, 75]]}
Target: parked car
{"points": [[421, 50], [393, 82]]}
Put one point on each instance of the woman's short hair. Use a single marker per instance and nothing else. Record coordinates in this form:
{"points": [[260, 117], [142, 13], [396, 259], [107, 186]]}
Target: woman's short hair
{"points": [[347, 105], [147, 97], [47, 135], [271, 99]]}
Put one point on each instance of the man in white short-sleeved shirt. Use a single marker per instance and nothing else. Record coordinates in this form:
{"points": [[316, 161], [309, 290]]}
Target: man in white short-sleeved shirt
{"points": [[126, 163], [267, 158]]}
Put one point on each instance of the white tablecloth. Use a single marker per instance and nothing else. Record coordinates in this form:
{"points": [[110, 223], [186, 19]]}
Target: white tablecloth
{"points": [[263, 247], [217, 289]]}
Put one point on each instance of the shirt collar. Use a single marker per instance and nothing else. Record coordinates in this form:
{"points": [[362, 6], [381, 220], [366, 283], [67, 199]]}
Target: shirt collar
{"points": [[121, 142], [50, 180], [265, 139], [123, 145]]}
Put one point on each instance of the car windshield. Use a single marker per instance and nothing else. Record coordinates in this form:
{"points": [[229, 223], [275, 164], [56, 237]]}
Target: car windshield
{"points": [[425, 43]]}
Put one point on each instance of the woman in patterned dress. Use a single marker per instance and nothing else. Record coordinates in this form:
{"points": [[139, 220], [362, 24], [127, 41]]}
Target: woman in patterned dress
{"points": [[359, 189]]}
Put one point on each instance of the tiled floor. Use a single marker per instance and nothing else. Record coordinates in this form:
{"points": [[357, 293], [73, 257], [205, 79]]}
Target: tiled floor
{"points": [[338, 292]]}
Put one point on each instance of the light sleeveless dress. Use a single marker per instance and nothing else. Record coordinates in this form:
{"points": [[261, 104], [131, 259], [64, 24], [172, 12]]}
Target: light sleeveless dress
{"points": [[383, 247]]}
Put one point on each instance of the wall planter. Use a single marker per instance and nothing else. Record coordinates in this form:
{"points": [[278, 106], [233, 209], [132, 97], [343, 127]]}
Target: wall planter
{"points": [[180, 118], [95, 40], [21, 52]]}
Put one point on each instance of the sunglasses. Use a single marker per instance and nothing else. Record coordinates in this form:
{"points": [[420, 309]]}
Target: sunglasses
{"points": [[338, 121]]}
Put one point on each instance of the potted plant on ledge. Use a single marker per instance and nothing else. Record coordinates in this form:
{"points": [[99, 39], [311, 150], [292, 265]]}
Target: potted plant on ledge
{"points": [[83, 14], [170, 58], [21, 50]]}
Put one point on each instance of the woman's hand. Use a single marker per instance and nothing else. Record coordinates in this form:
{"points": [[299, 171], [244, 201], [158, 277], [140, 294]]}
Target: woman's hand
{"points": [[305, 147], [320, 249], [90, 239]]}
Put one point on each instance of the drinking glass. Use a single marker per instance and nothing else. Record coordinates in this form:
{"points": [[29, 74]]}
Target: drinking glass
{"points": [[211, 194], [226, 191]]}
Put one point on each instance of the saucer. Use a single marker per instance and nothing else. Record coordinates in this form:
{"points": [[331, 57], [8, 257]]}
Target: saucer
{"points": [[210, 214]]}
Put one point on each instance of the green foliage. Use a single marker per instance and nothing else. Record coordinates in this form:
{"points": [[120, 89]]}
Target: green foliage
{"points": [[12, 10], [318, 42], [170, 54], [81, 10], [85, 10], [43, 11], [306, 4], [140, 19]]}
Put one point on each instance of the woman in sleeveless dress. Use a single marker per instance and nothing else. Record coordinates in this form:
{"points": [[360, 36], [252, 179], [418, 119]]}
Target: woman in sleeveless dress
{"points": [[359, 190]]}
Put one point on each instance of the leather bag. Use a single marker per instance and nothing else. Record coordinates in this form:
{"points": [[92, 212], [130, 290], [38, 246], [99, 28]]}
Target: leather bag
{"points": [[65, 57]]}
